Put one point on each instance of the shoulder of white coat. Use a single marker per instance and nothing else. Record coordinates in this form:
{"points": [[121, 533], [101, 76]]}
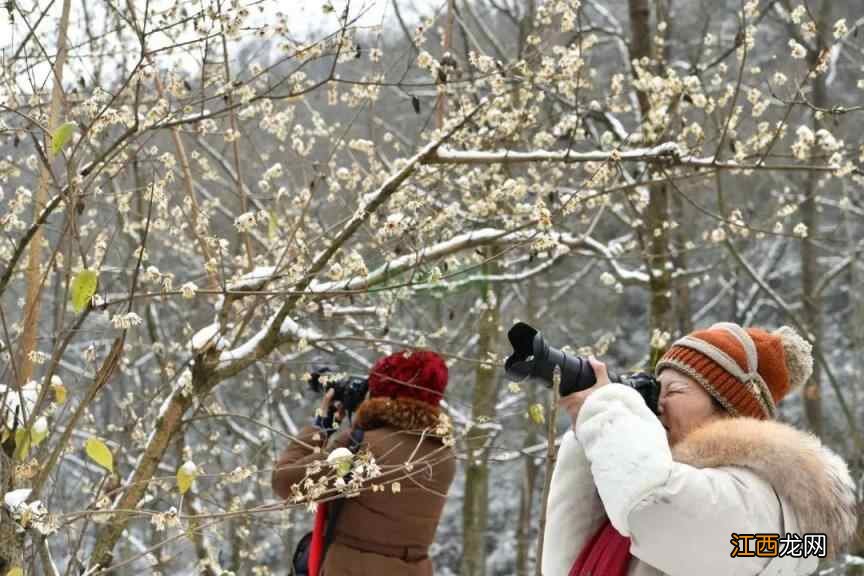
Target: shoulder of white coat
{"points": [[808, 475]]}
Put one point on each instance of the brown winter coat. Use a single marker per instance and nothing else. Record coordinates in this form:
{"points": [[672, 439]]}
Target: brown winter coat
{"points": [[380, 531]]}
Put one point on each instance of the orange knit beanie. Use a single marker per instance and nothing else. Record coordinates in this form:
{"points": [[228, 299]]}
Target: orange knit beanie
{"points": [[747, 371]]}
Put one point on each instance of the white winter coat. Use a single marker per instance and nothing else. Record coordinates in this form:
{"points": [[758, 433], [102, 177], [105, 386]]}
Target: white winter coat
{"points": [[680, 507]]}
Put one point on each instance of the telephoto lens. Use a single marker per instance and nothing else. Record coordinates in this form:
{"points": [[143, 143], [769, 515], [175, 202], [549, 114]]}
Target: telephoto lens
{"points": [[534, 359]]}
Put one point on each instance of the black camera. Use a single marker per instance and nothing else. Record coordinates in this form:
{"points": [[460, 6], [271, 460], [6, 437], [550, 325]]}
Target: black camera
{"points": [[533, 358], [350, 390]]}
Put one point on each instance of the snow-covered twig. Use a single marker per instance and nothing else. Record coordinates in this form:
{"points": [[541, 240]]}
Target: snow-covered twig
{"points": [[533, 451], [492, 278], [458, 243], [289, 331], [665, 151], [669, 152]]}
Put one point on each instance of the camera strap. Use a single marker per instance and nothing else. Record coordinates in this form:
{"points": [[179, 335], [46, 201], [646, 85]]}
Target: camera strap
{"points": [[335, 507]]}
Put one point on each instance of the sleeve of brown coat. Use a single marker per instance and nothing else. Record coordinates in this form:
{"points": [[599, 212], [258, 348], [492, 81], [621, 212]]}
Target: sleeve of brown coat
{"points": [[309, 446]]}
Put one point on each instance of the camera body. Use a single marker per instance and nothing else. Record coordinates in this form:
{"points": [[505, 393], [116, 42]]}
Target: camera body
{"points": [[533, 358], [350, 391]]}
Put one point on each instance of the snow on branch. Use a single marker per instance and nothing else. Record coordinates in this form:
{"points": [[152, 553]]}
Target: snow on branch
{"points": [[254, 280], [622, 274], [474, 239], [534, 451], [370, 204], [458, 243], [667, 151], [289, 331], [493, 278]]}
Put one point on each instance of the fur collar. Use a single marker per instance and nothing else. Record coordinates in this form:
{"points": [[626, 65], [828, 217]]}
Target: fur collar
{"points": [[401, 413], [807, 475]]}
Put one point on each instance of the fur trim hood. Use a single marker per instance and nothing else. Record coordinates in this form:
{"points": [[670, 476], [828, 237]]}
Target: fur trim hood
{"points": [[400, 413], [812, 479]]}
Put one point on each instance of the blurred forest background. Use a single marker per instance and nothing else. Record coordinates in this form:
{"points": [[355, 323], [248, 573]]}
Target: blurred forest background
{"points": [[200, 202]]}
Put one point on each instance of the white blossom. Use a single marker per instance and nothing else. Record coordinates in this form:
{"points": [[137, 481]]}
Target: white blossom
{"points": [[189, 289], [245, 222], [425, 60], [840, 29], [798, 14], [798, 51], [126, 321]]}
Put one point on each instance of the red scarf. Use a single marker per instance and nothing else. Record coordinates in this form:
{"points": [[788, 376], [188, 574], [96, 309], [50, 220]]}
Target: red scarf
{"points": [[316, 548], [606, 554]]}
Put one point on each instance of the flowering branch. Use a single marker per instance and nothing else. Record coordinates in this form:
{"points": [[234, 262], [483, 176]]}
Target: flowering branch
{"points": [[668, 152]]}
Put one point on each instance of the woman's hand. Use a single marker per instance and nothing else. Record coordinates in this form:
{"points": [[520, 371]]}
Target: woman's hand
{"points": [[572, 403], [324, 408]]}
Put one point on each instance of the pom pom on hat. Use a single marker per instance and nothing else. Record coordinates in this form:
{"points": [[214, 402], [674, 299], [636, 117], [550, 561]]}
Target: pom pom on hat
{"points": [[799, 356], [421, 375]]}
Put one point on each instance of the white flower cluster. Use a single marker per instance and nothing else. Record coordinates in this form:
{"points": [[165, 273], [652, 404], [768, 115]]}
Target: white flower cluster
{"points": [[660, 339], [355, 265], [806, 140], [395, 224], [168, 519], [798, 51], [38, 357], [126, 321], [738, 225], [9, 220], [238, 475], [245, 222], [189, 289], [426, 61], [840, 29], [28, 514]]}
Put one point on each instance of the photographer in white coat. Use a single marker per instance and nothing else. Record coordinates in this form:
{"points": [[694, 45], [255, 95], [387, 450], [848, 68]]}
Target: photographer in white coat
{"points": [[686, 494]]}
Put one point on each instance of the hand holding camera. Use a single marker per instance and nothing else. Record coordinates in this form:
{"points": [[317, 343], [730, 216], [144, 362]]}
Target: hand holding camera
{"points": [[341, 396], [330, 408], [572, 403]]}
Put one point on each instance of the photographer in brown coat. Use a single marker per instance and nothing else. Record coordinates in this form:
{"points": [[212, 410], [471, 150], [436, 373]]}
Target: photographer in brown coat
{"points": [[399, 474]]}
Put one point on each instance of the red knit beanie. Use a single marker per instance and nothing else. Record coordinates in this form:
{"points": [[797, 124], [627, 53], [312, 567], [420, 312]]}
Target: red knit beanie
{"points": [[421, 375], [747, 371]]}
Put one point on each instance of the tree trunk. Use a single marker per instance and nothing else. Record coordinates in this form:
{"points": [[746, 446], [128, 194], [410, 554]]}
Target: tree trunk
{"points": [[641, 41], [11, 544], [812, 302], [164, 429], [530, 470], [33, 273], [475, 511], [683, 312], [655, 237]]}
